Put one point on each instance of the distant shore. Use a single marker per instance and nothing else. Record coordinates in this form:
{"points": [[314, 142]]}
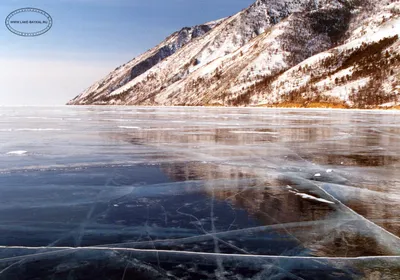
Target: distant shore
{"points": [[324, 105], [286, 105]]}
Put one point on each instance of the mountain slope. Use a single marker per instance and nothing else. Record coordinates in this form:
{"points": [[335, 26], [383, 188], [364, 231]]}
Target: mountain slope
{"points": [[272, 53], [139, 65]]}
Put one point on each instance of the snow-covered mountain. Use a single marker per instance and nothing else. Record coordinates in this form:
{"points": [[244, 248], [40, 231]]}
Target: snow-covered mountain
{"points": [[276, 52]]}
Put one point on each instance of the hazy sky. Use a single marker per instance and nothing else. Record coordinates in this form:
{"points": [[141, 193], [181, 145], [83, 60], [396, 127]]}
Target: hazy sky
{"points": [[89, 38]]}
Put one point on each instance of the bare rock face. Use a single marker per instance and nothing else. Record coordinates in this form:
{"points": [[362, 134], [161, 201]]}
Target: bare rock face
{"points": [[276, 52]]}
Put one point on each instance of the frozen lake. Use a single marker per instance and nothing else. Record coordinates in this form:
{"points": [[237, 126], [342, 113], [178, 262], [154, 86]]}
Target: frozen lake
{"points": [[199, 193]]}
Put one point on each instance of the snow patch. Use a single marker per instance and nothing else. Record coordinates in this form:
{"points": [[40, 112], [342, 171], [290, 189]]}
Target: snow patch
{"points": [[310, 197], [18, 153], [129, 127], [253, 132]]}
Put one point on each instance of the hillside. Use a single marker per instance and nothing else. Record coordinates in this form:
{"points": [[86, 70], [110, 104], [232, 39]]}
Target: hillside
{"points": [[343, 53]]}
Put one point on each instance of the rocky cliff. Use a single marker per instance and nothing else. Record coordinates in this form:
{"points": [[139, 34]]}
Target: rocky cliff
{"points": [[303, 53]]}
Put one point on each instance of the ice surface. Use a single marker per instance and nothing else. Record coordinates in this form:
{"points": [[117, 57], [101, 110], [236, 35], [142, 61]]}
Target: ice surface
{"points": [[206, 193]]}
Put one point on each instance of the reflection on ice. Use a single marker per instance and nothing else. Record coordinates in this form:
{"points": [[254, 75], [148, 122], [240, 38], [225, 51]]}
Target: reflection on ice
{"points": [[199, 193]]}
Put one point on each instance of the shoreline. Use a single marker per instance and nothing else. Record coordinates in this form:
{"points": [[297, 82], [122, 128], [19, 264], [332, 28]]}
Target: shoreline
{"points": [[316, 106], [297, 107]]}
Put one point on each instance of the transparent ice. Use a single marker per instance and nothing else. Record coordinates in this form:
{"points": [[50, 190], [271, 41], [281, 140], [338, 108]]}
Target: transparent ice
{"points": [[199, 193]]}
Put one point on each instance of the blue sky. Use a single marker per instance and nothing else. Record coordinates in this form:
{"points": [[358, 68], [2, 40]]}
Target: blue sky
{"points": [[89, 38]]}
